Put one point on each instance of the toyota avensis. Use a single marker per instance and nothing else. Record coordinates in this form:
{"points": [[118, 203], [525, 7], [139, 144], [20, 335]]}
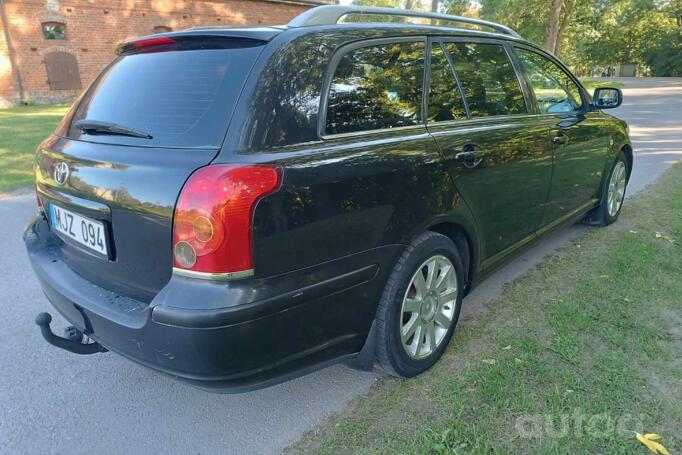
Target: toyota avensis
{"points": [[238, 206]]}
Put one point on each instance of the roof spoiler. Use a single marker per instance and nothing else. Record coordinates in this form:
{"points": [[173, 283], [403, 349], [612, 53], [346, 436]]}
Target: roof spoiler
{"points": [[253, 36]]}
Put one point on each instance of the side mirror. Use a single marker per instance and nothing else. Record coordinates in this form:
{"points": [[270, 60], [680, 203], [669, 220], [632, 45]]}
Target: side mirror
{"points": [[607, 97]]}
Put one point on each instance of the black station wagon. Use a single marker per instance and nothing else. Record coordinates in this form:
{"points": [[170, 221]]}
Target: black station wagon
{"points": [[238, 206]]}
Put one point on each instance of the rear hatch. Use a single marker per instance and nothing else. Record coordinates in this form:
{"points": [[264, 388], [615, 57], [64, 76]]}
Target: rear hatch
{"points": [[110, 176]]}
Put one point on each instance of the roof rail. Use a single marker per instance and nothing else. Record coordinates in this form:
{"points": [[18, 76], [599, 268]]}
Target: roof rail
{"points": [[331, 14]]}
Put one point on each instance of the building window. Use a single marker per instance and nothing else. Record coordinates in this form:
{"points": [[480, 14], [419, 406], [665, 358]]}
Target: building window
{"points": [[54, 30], [162, 29]]}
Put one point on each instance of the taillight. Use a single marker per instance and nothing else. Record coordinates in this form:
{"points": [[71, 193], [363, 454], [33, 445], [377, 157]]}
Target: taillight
{"points": [[213, 222], [154, 43]]}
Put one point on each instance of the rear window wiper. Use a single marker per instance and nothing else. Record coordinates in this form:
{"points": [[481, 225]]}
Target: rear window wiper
{"points": [[99, 127]]}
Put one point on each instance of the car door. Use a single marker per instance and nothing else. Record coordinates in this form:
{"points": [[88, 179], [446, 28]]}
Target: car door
{"points": [[580, 148], [499, 158]]}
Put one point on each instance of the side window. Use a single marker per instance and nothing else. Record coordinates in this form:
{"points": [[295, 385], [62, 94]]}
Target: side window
{"points": [[376, 87], [488, 79], [445, 102], [554, 90]]}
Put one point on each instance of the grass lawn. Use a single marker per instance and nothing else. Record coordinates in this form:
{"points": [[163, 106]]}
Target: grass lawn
{"points": [[590, 85], [21, 130], [576, 356]]}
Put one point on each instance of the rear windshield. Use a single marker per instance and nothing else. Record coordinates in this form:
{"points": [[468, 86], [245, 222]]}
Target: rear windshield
{"points": [[180, 98]]}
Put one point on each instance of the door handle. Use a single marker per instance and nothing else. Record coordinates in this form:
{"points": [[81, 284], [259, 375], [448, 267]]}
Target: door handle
{"points": [[560, 139], [470, 155]]}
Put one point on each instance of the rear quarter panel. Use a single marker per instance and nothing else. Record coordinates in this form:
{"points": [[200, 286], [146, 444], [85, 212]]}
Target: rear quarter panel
{"points": [[350, 195]]}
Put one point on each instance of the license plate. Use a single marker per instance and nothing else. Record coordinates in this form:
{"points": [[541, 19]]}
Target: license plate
{"points": [[84, 231]]}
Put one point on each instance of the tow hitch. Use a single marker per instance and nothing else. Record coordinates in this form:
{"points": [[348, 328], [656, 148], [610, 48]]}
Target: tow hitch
{"points": [[76, 341]]}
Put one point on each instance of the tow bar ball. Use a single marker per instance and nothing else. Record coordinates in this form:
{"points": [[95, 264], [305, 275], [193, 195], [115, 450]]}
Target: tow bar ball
{"points": [[74, 343]]}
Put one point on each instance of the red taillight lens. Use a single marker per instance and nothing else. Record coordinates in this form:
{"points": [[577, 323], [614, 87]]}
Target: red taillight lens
{"points": [[147, 44], [213, 218]]}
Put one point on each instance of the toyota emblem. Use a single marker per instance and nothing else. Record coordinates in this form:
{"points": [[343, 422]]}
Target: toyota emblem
{"points": [[61, 173]]}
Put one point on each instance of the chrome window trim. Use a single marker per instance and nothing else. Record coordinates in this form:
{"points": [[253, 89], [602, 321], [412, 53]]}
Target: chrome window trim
{"points": [[474, 121], [419, 126]]}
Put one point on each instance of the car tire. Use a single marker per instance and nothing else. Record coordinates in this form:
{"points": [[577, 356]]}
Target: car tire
{"points": [[413, 313], [613, 193]]}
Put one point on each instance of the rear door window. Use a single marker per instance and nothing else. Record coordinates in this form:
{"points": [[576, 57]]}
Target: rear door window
{"points": [[554, 90], [445, 102], [182, 98], [376, 87], [488, 79]]}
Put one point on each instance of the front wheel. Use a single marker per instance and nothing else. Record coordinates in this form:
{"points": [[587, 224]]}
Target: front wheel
{"points": [[420, 306]]}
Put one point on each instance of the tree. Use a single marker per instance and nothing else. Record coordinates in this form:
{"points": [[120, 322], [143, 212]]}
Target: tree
{"points": [[527, 17], [625, 32], [586, 34], [554, 25], [666, 60], [459, 7]]}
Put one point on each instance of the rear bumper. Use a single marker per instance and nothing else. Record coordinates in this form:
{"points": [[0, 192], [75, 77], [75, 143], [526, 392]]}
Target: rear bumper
{"points": [[223, 337]]}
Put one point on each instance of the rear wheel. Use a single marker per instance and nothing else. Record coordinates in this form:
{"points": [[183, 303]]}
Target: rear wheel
{"points": [[420, 306]]}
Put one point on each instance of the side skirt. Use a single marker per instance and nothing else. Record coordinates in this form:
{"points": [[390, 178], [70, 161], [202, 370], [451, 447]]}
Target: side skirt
{"points": [[504, 256]]}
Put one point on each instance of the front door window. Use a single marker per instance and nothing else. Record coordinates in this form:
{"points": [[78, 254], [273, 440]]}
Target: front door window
{"points": [[555, 92]]}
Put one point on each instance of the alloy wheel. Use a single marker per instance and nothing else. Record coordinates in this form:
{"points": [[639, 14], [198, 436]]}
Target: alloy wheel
{"points": [[616, 190], [428, 307]]}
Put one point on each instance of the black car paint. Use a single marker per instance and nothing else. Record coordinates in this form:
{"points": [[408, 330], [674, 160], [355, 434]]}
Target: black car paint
{"points": [[133, 188], [324, 244]]}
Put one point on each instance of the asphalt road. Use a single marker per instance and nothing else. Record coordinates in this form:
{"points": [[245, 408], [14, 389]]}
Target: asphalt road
{"points": [[55, 402]]}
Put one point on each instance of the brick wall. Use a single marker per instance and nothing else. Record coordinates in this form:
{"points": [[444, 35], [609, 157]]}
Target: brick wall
{"points": [[94, 27]]}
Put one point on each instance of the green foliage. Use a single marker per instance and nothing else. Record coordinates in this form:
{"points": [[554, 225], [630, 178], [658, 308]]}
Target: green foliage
{"points": [[598, 33], [456, 7], [527, 17], [593, 34], [623, 31], [21, 130], [666, 60]]}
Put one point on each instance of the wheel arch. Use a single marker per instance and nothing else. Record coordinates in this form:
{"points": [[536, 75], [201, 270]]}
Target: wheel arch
{"points": [[464, 242], [627, 150]]}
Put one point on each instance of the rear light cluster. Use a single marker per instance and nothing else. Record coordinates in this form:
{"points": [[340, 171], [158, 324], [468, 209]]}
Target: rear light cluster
{"points": [[149, 44], [213, 222]]}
